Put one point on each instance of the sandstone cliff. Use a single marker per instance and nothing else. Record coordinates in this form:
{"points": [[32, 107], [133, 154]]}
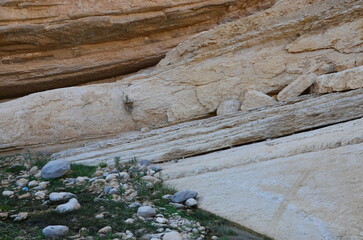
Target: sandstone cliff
{"points": [[47, 44], [265, 51]]}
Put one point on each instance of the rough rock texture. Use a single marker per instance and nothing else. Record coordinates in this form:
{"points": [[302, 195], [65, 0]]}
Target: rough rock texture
{"points": [[304, 186], [55, 169], [255, 99], [48, 44], [265, 51], [198, 137], [342, 81]]}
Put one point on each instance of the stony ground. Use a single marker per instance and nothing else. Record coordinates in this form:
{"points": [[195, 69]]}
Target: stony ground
{"points": [[125, 201]]}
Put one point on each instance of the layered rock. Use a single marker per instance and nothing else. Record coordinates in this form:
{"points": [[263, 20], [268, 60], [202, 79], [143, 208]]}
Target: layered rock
{"points": [[264, 51], [49, 44], [305, 186], [203, 136]]}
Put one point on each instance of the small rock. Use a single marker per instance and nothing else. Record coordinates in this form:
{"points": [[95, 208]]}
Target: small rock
{"points": [[228, 107], [55, 231], [26, 195], [105, 230], [20, 216], [38, 174], [184, 195], [70, 206], [33, 183], [191, 202], [41, 186], [60, 196], [40, 195], [4, 215], [146, 212], [81, 180], [8, 193], [151, 179], [172, 236], [33, 170], [214, 237], [97, 185], [161, 220], [55, 169], [111, 177], [22, 182], [113, 191], [130, 221]]}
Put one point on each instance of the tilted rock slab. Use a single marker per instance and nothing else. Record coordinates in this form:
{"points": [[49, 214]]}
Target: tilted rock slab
{"points": [[50, 44], [263, 51], [304, 186], [202, 136]]}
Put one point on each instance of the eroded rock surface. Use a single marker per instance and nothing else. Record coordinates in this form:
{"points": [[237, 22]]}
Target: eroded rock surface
{"points": [[49, 44], [263, 51], [304, 186]]}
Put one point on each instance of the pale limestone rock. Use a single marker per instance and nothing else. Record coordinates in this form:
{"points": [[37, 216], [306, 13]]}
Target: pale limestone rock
{"points": [[55, 169], [70, 206], [286, 188], [254, 99], [228, 107], [60, 196], [55, 231], [105, 230], [146, 212], [172, 236], [7, 193], [341, 81], [198, 137], [194, 78], [297, 87]]}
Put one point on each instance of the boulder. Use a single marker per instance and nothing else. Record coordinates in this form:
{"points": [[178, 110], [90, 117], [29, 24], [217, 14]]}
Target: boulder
{"points": [[55, 169], [55, 231]]}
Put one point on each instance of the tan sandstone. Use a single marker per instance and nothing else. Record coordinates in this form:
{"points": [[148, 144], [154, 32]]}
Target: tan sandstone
{"points": [[262, 51], [253, 99], [47, 44]]}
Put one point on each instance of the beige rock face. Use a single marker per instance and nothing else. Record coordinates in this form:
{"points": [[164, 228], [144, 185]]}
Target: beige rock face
{"points": [[305, 186], [49, 44], [206, 135], [260, 52], [255, 99], [342, 81]]}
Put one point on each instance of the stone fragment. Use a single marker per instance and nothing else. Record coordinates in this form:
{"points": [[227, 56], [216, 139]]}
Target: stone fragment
{"points": [[342, 81], [7, 193], [105, 230], [297, 87], [97, 185], [4, 215], [254, 99], [33, 183], [151, 179], [146, 212], [183, 195], [22, 182], [228, 107], [20, 216], [60, 196], [70, 206], [55, 169], [81, 180], [33, 170], [40, 195], [172, 236], [25, 195], [161, 220], [55, 231], [191, 202]]}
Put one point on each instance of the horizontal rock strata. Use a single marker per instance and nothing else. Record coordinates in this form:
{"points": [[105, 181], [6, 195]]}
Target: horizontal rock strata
{"points": [[305, 186], [265, 52], [202, 136], [49, 44]]}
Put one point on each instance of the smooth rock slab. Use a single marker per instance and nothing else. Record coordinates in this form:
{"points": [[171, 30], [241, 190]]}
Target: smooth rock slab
{"points": [[59, 196], [55, 169], [55, 231], [184, 195], [70, 206], [146, 212]]}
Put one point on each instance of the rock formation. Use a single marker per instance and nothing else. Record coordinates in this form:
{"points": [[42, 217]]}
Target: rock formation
{"points": [[265, 51], [47, 44]]}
